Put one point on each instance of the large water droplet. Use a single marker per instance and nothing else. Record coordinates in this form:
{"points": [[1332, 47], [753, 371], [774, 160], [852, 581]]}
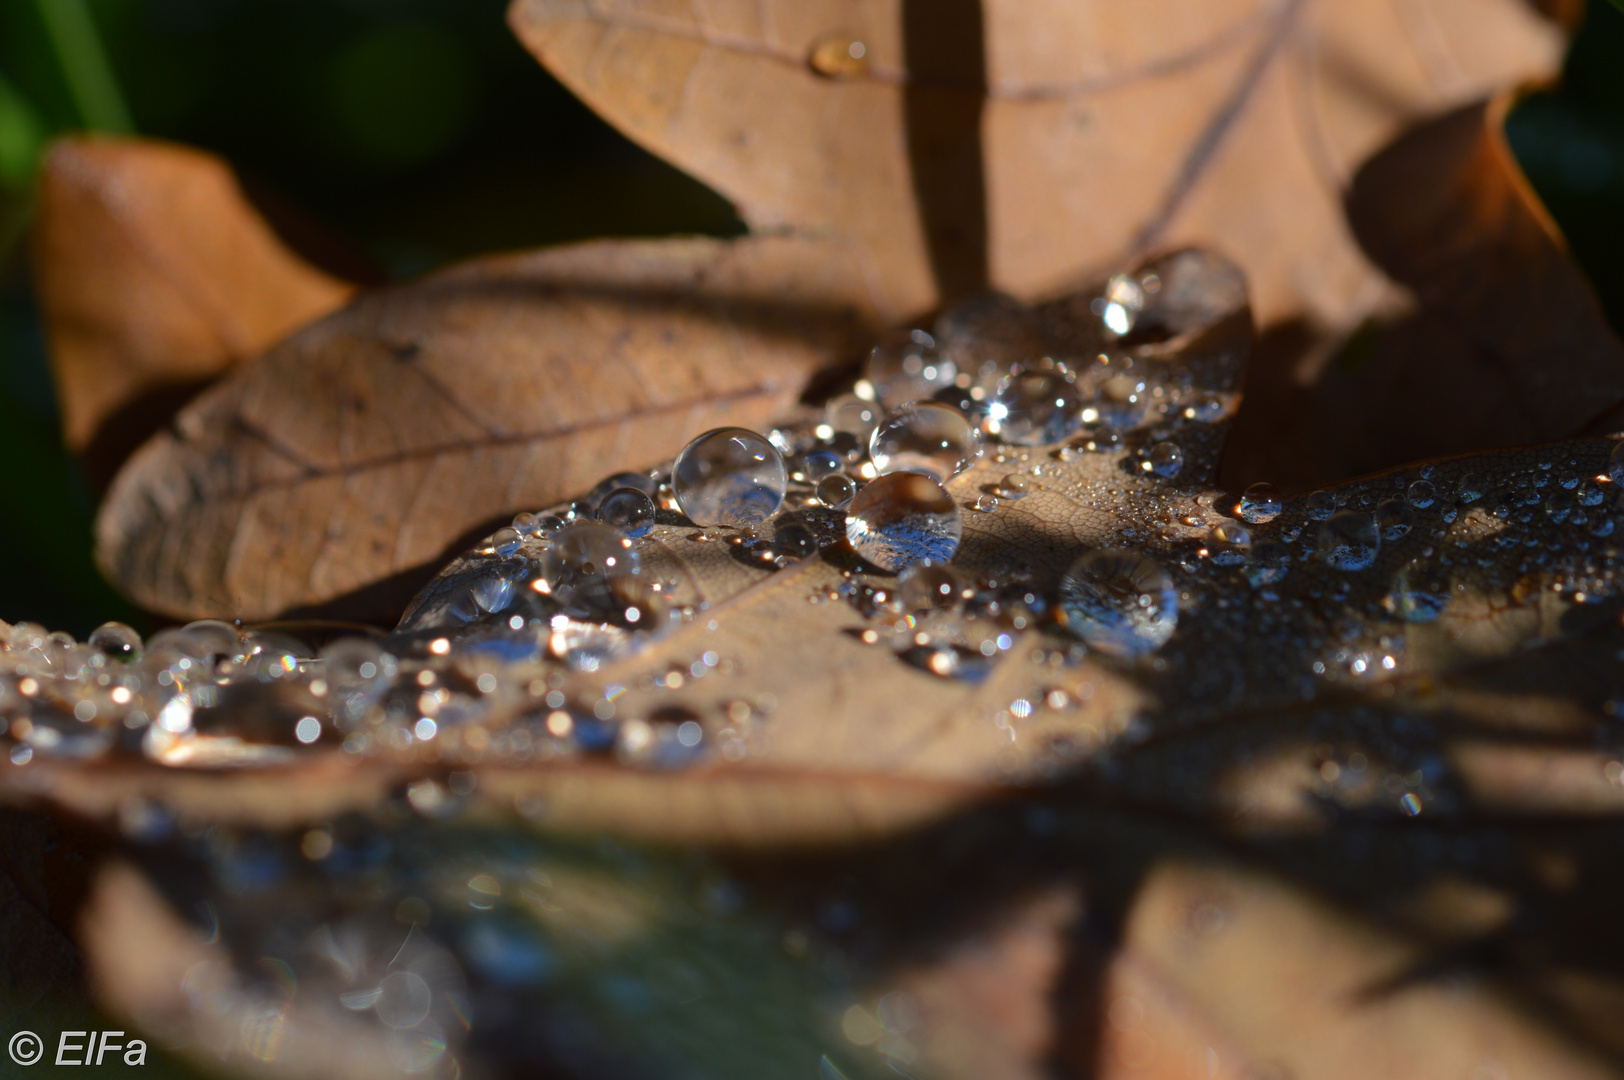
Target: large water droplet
{"points": [[1394, 519], [628, 510], [817, 464], [903, 518], [1469, 489], [584, 559], [1320, 505], [1121, 603], [729, 476], [1421, 494], [906, 367], [1349, 541], [1032, 408], [925, 437], [1165, 459], [1420, 593], [1259, 503]]}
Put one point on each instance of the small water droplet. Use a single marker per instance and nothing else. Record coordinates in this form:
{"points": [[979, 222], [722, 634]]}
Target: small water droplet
{"points": [[852, 415], [1166, 459], [1121, 603], [986, 503], [1205, 409], [1033, 408], [838, 55], [1012, 486], [116, 641], [506, 540], [1260, 503], [729, 476], [925, 437], [1421, 494], [836, 491], [1468, 489], [1348, 540], [818, 464], [1590, 494], [1320, 505], [1268, 563], [902, 518], [927, 586], [584, 559], [1394, 519], [907, 367], [628, 510]]}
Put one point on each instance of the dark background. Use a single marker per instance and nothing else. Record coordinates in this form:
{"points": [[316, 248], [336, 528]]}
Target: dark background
{"points": [[422, 132]]}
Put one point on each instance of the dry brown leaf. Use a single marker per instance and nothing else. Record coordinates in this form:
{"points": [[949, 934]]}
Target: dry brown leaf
{"points": [[339, 467], [155, 276], [1029, 145], [1217, 861]]}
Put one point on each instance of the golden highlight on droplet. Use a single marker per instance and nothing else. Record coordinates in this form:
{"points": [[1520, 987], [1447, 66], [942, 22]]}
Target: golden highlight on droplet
{"points": [[839, 55]]}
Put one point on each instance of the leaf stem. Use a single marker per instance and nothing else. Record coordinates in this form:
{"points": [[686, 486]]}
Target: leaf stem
{"points": [[84, 64]]}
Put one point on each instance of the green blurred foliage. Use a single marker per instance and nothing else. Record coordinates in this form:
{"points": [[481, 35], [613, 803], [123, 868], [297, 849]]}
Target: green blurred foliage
{"points": [[417, 132]]}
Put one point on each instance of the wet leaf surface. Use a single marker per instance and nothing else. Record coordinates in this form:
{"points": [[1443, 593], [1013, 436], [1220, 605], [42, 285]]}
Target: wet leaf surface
{"points": [[1359, 809]]}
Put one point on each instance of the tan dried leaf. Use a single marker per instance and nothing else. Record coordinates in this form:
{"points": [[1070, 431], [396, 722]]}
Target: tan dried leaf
{"points": [[155, 276], [341, 466]]}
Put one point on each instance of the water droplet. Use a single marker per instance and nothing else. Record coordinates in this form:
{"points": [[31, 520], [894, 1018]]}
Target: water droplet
{"points": [[1394, 519], [505, 541], [929, 586], [1118, 309], [986, 503], [358, 673], [1205, 409], [1469, 489], [1268, 563], [1121, 603], [1320, 505], [838, 56], [628, 510], [1590, 494], [1012, 486], [903, 518], [1419, 594], [852, 415], [1259, 503], [1033, 408], [1615, 463], [584, 559], [729, 476], [1166, 459], [836, 491], [818, 464], [908, 367], [925, 437], [1421, 494], [1228, 532], [116, 641], [1349, 541]]}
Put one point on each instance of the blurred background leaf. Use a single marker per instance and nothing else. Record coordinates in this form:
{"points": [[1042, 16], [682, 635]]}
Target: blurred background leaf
{"points": [[387, 137]]}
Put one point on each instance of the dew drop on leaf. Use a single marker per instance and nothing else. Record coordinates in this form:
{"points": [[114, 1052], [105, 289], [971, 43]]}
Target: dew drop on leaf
{"points": [[1349, 540], [836, 491], [584, 559], [629, 510], [729, 476], [1121, 603], [1165, 459], [1260, 503], [908, 367], [903, 518], [1421, 494], [1031, 408], [925, 437]]}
